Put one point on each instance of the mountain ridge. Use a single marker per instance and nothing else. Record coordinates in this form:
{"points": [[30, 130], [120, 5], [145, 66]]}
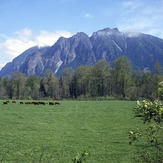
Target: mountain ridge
{"points": [[141, 49]]}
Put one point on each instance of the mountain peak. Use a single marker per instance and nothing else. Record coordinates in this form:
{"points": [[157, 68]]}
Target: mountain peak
{"points": [[110, 30], [109, 44], [106, 32], [80, 34]]}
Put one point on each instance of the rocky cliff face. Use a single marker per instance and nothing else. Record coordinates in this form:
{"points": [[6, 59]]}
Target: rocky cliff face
{"points": [[141, 49]]}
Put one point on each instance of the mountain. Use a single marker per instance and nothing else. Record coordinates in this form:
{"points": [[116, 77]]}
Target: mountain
{"points": [[141, 49]]}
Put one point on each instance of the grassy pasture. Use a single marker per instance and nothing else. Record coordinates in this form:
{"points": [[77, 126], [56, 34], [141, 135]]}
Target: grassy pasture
{"points": [[44, 133]]}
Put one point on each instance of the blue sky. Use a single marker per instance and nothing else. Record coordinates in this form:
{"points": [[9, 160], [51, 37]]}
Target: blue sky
{"points": [[26, 23]]}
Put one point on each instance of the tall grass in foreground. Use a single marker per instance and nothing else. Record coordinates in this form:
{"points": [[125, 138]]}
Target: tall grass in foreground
{"points": [[57, 133]]}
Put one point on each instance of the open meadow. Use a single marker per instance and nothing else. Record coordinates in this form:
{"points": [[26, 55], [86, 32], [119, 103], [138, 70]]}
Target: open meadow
{"points": [[56, 133]]}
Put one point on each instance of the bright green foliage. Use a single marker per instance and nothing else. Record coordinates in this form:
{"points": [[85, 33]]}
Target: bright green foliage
{"points": [[149, 111], [98, 78], [134, 135], [151, 138], [80, 157], [82, 75], [120, 72], [52, 86], [67, 75], [9, 85], [19, 81], [32, 87]]}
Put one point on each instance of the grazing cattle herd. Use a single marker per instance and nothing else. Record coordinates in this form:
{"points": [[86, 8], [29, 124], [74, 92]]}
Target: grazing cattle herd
{"points": [[34, 102]]}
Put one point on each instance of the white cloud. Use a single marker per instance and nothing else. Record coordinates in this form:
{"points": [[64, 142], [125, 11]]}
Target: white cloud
{"points": [[141, 16], [24, 33], [24, 39], [87, 15], [15, 46], [48, 38], [131, 34], [1, 66], [131, 6]]}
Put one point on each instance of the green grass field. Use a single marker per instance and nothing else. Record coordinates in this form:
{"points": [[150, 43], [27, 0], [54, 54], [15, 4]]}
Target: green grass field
{"points": [[44, 133]]}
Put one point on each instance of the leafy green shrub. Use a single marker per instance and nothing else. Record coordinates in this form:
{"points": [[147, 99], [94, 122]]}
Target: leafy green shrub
{"points": [[151, 150], [80, 157], [149, 111]]}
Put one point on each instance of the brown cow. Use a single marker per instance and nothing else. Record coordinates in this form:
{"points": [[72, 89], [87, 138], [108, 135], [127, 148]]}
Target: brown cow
{"points": [[21, 102], [42, 103], [57, 102], [35, 103], [14, 102], [51, 103], [27, 102]]}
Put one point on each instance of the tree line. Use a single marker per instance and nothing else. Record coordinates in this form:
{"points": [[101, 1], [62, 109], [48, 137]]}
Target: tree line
{"points": [[118, 81]]}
